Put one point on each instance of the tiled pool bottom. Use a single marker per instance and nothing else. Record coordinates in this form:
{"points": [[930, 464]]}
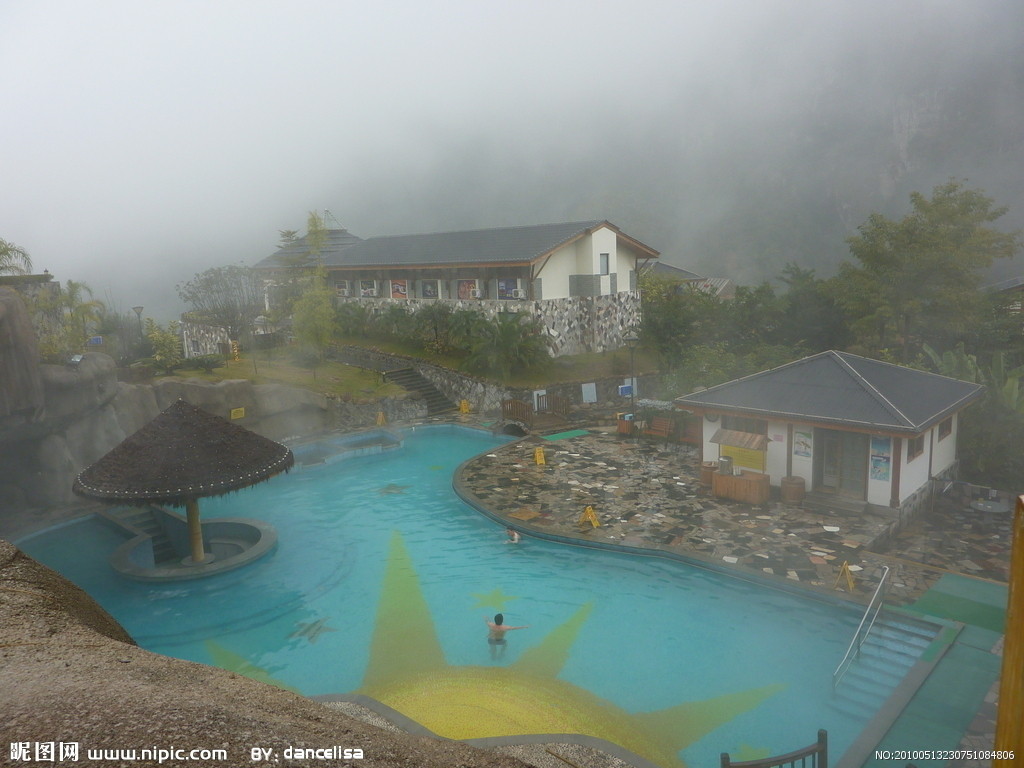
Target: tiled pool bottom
{"points": [[631, 635]]}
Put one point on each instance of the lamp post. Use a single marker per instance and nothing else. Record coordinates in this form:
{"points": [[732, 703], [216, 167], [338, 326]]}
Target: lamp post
{"points": [[632, 340]]}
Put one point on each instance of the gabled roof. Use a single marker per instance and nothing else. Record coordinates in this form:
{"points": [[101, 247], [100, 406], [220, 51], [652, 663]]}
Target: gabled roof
{"points": [[662, 269], [504, 245], [843, 389], [337, 241]]}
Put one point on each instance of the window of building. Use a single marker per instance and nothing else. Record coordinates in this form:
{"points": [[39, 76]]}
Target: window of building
{"points": [[341, 287], [743, 424], [429, 289], [604, 263], [945, 428], [915, 447]]}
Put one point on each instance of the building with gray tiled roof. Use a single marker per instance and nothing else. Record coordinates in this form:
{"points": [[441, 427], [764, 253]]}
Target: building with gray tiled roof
{"points": [[850, 427], [578, 278]]}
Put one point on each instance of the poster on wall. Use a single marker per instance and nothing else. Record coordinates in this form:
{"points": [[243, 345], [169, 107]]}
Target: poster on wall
{"points": [[507, 287], [467, 289], [802, 443], [428, 289], [368, 288], [399, 289], [881, 458]]}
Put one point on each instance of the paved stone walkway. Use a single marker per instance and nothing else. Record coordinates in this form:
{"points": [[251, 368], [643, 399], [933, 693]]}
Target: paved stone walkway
{"points": [[646, 494]]}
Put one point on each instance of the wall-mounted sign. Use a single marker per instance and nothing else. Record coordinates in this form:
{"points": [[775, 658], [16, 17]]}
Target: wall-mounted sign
{"points": [[881, 458], [238, 413], [802, 443], [399, 289]]}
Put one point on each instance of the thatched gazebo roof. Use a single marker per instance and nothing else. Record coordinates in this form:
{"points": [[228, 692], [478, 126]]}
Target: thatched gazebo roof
{"points": [[182, 455]]}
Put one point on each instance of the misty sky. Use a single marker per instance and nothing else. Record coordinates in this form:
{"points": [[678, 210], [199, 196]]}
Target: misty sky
{"points": [[143, 142]]}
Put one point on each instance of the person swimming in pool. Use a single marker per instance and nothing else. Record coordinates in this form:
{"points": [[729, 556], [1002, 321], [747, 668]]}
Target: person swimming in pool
{"points": [[513, 536], [496, 634]]}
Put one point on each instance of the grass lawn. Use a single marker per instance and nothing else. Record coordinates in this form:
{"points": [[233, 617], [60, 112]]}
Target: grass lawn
{"points": [[328, 378]]}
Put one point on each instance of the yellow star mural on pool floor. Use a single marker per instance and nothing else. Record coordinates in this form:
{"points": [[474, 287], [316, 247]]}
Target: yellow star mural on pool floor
{"points": [[408, 672], [495, 599]]}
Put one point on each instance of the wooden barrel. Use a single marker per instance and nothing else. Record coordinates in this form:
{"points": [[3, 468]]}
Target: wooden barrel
{"points": [[792, 490], [707, 469]]}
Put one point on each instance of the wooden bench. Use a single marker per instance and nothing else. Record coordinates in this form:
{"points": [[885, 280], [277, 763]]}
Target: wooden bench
{"points": [[660, 426]]}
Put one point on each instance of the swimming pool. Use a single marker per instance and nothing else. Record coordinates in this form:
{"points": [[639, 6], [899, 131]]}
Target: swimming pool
{"points": [[380, 539]]}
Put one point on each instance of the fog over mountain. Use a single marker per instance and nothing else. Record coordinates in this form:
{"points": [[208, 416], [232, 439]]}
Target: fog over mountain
{"points": [[144, 143]]}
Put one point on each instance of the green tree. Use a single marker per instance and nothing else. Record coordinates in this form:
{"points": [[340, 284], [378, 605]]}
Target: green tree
{"points": [[673, 314], [65, 319], [313, 320], [509, 342], [811, 315], [433, 325], [166, 342], [13, 259], [917, 279], [298, 259], [465, 326], [229, 297]]}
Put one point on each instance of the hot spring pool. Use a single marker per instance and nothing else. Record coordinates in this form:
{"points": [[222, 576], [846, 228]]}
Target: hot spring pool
{"points": [[381, 541]]}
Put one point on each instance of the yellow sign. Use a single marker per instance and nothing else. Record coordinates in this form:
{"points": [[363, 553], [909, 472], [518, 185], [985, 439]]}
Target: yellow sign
{"points": [[538, 455], [238, 413], [381, 419], [589, 516], [464, 406], [845, 572], [235, 355], [744, 457]]}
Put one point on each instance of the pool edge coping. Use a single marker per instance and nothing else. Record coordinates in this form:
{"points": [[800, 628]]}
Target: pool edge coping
{"points": [[408, 725]]}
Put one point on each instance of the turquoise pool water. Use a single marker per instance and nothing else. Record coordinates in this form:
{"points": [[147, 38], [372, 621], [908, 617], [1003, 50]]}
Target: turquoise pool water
{"points": [[660, 632]]}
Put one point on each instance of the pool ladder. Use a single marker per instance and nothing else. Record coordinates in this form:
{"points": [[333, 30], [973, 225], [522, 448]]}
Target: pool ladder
{"points": [[867, 621]]}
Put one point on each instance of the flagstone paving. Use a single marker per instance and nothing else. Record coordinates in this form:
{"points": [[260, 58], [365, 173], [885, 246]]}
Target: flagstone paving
{"points": [[647, 494]]}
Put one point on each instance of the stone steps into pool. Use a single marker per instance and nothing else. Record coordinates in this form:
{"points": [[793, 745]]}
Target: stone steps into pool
{"points": [[140, 520], [413, 381], [892, 648]]}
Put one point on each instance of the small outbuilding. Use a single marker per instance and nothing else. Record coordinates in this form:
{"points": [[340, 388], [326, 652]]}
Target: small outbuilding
{"points": [[848, 427]]}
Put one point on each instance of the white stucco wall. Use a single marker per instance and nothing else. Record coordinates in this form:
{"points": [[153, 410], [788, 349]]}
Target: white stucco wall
{"points": [[778, 451], [944, 452], [913, 474], [554, 274], [710, 450]]}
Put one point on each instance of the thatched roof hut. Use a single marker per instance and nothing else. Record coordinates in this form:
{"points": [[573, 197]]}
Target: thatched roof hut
{"points": [[183, 455]]}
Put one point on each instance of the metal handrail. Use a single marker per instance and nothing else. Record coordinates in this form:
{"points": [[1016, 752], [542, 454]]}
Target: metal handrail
{"points": [[858, 640]]}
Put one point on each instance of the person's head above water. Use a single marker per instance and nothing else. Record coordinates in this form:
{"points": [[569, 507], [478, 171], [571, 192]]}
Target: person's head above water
{"points": [[499, 619]]}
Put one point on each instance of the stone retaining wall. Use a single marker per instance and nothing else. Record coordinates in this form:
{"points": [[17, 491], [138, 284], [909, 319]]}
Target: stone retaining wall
{"points": [[576, 324], [486, 396]]}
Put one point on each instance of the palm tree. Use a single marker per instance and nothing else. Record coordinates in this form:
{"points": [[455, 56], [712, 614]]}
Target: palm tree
{"points": [[13, 260], [81, 310], [510, 341]]}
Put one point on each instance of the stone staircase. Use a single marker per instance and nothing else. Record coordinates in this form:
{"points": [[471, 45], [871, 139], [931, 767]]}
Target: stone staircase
{"points": [[137, 521], [413, 381], [891, 649]]}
